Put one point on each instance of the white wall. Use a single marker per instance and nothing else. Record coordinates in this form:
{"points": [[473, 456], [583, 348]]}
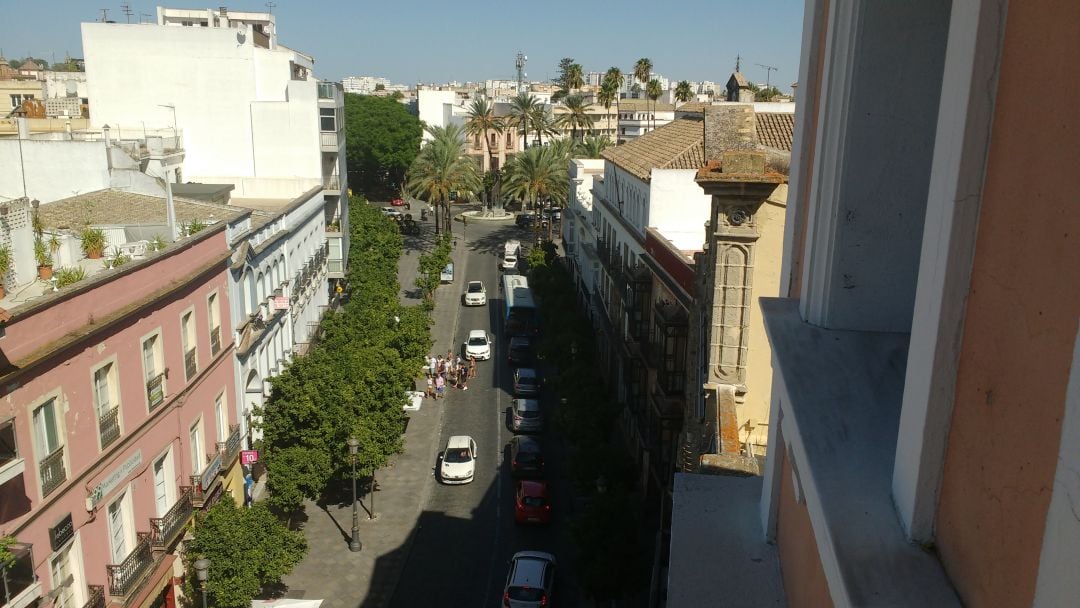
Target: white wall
{"points": [[430, 106], [54, 169], [679, 208]]}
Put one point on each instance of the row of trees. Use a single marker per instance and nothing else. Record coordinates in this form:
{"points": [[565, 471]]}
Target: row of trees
{"points": [[353, 383], [381, 140]]}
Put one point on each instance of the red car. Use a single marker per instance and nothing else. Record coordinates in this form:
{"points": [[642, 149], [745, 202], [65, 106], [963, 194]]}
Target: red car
{"points": [[532, 502], [397, 202]]}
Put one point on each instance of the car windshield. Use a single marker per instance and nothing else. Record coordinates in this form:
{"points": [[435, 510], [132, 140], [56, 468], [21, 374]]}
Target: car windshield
{"points": [[475, 288], [457, 455], [477, 341], [532, 501], [528, 457], [527, 380], [528, 413], [525, 594]]}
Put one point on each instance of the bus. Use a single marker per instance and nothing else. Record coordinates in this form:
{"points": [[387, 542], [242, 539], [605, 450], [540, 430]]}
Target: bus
{"points": [[519, 318]]}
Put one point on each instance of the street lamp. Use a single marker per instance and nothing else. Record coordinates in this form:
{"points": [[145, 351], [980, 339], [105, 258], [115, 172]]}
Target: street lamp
{"points": [[202, 572], [354, 448]]}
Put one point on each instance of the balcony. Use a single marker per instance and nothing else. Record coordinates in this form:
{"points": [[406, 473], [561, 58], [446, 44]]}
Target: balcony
{"points": [[11, 465], [190, 364], [18, 584], [109, 426], [328, 90], [230, 448], [203, 497], [155, 391], [125, 577], [166, 529], [332, 184], [51, 469], [329, 141], [96, 596], [215, 340]]}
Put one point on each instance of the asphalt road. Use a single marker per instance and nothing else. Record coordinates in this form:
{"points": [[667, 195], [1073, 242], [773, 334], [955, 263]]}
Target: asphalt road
{"points": [[467, 534]]}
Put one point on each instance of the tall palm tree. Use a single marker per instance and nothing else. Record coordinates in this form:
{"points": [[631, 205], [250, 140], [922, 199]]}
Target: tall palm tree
{"points": [[653, 92], [615, 78], [576, 115], [542, 122], [593, 145], [481, 120], [575, 77], [642, 70], [522, 107], [683, 92], [606, 96], [442, 167], [539, 173]]}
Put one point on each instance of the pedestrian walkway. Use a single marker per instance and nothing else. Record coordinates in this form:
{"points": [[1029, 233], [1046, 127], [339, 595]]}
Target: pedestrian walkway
{"points": [[331, 572]]}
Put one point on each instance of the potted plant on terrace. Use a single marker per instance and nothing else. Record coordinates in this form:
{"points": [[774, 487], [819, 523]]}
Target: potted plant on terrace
{"points": [[5, 266], [93, 242], [44, 258]]}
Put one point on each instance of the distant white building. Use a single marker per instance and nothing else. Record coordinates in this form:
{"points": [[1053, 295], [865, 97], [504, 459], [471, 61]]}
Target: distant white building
{"points": [[363, 85], [439, 108]]}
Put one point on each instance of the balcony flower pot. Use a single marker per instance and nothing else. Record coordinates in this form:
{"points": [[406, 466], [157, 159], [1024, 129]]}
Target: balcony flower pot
{"points": [[44, 272], [93, 242]]}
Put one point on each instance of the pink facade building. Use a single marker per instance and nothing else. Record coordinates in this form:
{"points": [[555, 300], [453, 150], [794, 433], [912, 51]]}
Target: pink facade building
{"points": [[115, 414]]}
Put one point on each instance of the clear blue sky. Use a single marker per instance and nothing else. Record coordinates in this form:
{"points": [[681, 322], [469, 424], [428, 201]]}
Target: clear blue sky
{"points": [[411, 41]]}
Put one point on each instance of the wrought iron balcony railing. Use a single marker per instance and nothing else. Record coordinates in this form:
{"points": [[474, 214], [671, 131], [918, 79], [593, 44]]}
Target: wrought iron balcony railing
{"points": [[96, 596], [52, 471], [230, 448], [155, 390], [165, 529], [109, 425], [190, 366], [126, 576]]}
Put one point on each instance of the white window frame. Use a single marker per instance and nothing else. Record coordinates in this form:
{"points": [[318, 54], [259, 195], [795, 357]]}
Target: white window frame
{"points": [[189, 339], [169, 470], [72, 551], [213, 316], [197, 446], [127, 521], [221, 415]]}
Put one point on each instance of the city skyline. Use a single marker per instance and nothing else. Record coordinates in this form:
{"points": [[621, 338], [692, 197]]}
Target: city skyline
{"points": [[378, 47]]}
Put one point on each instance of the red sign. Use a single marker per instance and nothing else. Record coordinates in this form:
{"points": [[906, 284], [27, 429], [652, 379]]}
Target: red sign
{"points": [[249, 456], [281, 303]]}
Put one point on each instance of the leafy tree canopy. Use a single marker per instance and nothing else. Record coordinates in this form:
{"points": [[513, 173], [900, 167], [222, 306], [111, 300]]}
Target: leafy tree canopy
{"points": [[381, 140]]}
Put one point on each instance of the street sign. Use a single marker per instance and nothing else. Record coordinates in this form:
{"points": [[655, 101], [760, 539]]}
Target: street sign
{"points": [[281, 303], [249, 456]]}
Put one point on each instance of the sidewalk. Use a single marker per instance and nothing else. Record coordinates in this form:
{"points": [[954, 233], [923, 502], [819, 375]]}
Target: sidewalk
{"points": [[330, 571]]}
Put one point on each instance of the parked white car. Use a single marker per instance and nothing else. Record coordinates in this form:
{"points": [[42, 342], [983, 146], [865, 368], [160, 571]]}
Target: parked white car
{"points": [[458, 460], [478, 345], [475, 294]]}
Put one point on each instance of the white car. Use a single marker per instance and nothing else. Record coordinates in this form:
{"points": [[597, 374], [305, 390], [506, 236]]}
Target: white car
{"points": [[391, 212], [458, 460], [509, 261], [475, 294], [478, 345]]}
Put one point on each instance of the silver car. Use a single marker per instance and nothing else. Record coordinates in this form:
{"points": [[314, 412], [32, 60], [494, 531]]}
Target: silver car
{"points": [[526, 417]]}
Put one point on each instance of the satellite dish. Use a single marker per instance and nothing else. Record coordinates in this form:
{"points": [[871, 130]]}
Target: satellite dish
{"points": [[240, 36]]}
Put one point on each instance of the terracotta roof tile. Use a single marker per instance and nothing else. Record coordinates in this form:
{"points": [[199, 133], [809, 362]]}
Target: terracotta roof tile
{"points": [[774, 129], [117, 207], [676, 145]]}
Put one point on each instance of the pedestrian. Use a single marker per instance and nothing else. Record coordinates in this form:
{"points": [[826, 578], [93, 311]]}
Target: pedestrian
{"points": [[440, 386], [464, 381], [440, 366], [450, 354], [430, 392], [472, 366], [431, 361]]}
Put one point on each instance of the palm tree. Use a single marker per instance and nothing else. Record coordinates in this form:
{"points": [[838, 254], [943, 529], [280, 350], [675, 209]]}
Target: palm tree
{"points": [[576, 115], [539, 173], [606, 96], [542, 122], [653, 92], [593, 145], [480, 121], [642, 70], [522, 107], [683, 92], [442, 167], [575, 77], [615, 78]]}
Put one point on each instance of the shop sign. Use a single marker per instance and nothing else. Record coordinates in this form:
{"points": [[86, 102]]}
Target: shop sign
{"points": [[109, 483], [61, 533], [211, 471]]}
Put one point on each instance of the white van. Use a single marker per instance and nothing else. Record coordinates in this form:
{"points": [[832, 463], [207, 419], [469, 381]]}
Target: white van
{"points": [[511, 250]]}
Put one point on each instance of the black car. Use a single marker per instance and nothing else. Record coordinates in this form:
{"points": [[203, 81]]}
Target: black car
{"points": [[525, 220], [526, 459], [520, 351]]}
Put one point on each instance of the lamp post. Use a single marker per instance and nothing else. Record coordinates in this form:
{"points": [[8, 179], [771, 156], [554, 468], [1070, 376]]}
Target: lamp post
{"points": [[371, 495], [354, 448], [202, 572]]}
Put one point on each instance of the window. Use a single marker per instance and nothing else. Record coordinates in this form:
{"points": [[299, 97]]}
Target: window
{"points": [[195, 437], [121, 534], [16, 100], [153, 370], [509, 140], [214, 314], [50, 447], [222, 416], [65, 578], [187, 335], [107, 404], [327, 120], [164, 490]]}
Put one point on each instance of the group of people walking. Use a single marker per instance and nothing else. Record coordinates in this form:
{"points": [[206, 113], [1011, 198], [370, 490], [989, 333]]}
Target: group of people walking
{"points": [[451, 371]]}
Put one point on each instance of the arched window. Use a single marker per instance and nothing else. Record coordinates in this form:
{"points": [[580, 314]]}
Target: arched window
{"points": [[260, 292], [494, 141], [509, 140], [251, 296]]}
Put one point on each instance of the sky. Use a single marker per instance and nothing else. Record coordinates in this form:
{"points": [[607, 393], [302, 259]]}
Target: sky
{"points": [[411, 41]]}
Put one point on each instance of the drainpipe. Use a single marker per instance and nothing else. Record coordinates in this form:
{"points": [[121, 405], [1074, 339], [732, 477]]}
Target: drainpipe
{"points": [[170, 209], [108, 148]]}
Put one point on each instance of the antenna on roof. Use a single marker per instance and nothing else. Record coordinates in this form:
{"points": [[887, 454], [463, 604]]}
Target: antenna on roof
{"points": [[126, 9], [270, 7], [738, 58], [104, 15], [146, 17], [768, 72]]}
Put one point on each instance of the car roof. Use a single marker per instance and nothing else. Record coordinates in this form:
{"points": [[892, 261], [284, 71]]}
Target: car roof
{"points": [[458, 441], [524, 372], [477, 333], [533, 487], [480, 283], [527, 444], [520, 340], [526, 404]]}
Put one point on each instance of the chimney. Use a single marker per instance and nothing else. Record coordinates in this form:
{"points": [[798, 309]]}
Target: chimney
{"points": [[729, 127], [24, 127]]}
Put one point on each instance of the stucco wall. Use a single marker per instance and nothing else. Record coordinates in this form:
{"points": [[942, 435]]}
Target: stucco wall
{"points": [[1021, 320], [679, 208], [804, 578], [53, 169]]}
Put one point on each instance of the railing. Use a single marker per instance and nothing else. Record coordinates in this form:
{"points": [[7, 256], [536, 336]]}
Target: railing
{"points": [[215, 340], [52, 471], [332, 182], [327, 90], [155, 390], [328, 141], [232, 444], [126, 576], [190, 367], [96, 596], [335, 266], [19, 574], [109, 426], [197, 495], [165, 529]]}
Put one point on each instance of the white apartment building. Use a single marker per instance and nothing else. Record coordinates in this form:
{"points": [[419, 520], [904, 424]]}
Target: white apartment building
{"points": [[363, 85], [439, 108], [578, 229], [639, 116], [251, 115]]}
